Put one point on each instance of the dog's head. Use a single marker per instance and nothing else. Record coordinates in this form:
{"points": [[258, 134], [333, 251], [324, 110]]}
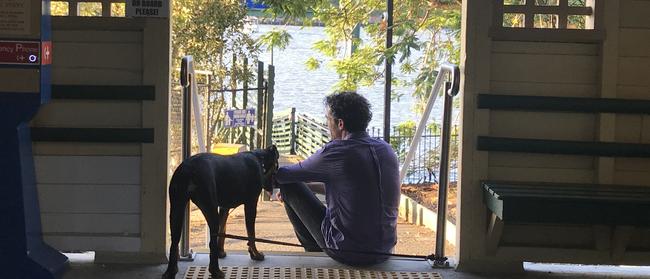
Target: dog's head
{"points": [[269, 159]]}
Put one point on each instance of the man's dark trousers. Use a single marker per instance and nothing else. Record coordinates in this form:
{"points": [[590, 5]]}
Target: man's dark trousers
{"points": [[306, 214]]}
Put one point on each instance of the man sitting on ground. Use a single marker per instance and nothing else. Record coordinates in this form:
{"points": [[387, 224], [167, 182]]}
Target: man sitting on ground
{"points": [[361, 185]]}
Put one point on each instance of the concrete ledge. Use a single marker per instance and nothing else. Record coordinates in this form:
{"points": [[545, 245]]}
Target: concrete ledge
{"points": [[129, 258], [494, 266], [417, 214]]}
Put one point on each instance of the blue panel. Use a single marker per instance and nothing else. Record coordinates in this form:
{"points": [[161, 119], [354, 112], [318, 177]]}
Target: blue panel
{"points": [[46, 22], [251, 4], [23, 254]]}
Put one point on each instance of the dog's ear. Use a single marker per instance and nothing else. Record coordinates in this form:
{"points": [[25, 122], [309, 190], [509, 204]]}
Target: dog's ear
{"points": [[274, 150]]}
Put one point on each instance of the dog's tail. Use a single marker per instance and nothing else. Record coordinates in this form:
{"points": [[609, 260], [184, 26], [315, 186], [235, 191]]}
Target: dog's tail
{"points": [[178, 199]]}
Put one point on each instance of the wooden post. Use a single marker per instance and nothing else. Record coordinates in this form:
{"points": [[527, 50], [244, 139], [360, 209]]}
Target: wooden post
{"points": [[269, 106], [260, 101]]}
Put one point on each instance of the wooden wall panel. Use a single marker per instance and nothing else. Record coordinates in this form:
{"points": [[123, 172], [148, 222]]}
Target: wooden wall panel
{"points": [[633, 92], [548, 236], [95, 76], [22, 80], [633, 164], [543, 89], [625, 177], [97, 36], [94, 243], [98, 170], [634, 13], [634, 71], [543, 48], [81, 198], [559, 175], [541, 125], [540, 68], [91, 223], [525, 160], [120, 56], [628, 128], [89, 114], [634, 42], [645, 129], [86, 149]]}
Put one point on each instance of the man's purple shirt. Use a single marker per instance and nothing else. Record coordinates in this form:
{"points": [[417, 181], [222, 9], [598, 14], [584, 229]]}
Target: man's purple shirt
{"points": [[361, 177]]}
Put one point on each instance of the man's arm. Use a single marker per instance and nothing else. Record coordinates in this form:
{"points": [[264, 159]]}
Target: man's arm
{"points": [[317, 168]]}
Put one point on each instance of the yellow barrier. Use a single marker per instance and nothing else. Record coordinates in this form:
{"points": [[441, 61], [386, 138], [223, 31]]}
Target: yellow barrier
{"points": [[228, 148]]}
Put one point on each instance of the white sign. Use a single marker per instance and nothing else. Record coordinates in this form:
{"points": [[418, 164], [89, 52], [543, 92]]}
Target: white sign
{"points": [[147, 8], [15, 17]]}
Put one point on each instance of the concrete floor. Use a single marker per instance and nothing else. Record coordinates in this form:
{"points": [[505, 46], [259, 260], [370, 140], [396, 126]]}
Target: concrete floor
{"points": [[81, 266], [272, 223]]}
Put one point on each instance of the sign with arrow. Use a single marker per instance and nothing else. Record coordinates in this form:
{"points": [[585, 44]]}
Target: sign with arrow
{"points": [[22, 52]]}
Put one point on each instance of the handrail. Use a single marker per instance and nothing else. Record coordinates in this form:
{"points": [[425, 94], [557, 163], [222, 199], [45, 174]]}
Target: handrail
{"points": [[190, 96], [452, 89], [191, 102]]}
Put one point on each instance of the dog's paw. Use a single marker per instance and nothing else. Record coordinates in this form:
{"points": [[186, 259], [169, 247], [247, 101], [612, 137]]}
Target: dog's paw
{"points": [[255, 255], [217, 274], [221, 254], [169, 275]]}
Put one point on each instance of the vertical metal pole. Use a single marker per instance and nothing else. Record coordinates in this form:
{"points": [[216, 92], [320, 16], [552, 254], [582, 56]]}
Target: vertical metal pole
{"points": [[389, 71], [260, 101], [269, 106], [292, 141], [245, 96], [444, 172], [233, 86], [187, 152]]}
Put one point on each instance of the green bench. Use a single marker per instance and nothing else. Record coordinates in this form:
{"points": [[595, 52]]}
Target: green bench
{"points": [[562, 203], [618, 207]]}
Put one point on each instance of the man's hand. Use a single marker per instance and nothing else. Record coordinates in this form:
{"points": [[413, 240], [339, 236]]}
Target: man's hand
{"points": [[278, 196]]}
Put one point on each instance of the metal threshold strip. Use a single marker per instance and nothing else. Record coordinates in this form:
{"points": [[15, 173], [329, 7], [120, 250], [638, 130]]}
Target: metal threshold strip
{"points": [[245, 272]]}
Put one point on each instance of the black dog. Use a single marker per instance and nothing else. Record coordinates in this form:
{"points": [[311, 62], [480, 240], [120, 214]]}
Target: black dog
{"points": [[216, 184]]}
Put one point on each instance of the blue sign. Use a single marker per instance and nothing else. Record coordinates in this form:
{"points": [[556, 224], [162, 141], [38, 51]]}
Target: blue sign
{"points": [[239, 118], [251, 4]]}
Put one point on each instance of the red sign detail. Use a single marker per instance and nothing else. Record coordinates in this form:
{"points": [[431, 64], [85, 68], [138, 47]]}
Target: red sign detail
{"points": [[20, 53], [47, 53]]}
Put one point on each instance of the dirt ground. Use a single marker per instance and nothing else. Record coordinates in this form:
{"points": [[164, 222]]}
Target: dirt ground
{"points": [[272, 223], [427, 195]]}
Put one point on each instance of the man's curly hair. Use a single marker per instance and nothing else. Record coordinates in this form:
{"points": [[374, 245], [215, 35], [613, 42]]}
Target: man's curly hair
{"points": [[353, 108]]}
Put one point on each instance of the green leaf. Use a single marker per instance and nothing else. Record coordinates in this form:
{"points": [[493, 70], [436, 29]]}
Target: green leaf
{"points": [[312, 64]]}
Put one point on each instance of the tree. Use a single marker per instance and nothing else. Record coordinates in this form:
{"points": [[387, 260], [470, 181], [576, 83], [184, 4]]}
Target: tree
{"points": [[59, 8], [212, 31], [275, 38], [438, 21]]}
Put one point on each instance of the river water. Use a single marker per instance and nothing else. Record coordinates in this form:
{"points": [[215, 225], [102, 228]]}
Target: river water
{"points": [[296, 86]]}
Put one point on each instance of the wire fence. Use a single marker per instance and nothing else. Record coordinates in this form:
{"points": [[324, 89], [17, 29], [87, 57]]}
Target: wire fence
{"points": [[425, 166], [304, 135]]}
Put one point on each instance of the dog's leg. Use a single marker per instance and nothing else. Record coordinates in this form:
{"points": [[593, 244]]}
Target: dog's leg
{"points": [[250, 212], [178, 199], [223, 220], [211, 217]]}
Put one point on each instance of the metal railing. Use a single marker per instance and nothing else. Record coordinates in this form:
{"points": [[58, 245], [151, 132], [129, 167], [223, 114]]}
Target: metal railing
{"points": [[447, 72], [424, 167], [304, 135]]}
